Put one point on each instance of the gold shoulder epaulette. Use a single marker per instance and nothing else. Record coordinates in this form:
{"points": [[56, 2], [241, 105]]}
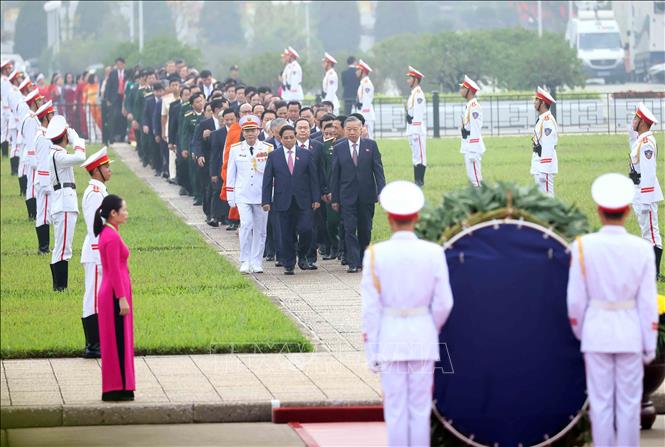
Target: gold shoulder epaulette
{"points": [[189, 113]]}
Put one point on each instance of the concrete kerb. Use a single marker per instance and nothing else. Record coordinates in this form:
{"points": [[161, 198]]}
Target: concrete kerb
{"points": [[136, 413]]}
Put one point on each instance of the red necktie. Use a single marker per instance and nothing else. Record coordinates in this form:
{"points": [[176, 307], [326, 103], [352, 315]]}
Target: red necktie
{"points": [[121, 83]]}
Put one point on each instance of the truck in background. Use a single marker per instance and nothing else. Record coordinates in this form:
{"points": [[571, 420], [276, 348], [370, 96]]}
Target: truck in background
{"points": [[596, 36], [642, 25]]}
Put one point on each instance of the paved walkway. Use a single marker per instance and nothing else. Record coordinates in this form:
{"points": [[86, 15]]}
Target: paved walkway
{"points": [[325, 303]]}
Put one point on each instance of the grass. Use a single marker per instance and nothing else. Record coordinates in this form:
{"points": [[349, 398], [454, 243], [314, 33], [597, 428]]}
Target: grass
{"points": [[582, 158], [187, 298]]}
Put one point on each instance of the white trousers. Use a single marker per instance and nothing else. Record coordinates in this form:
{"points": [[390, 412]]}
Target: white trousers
{"points": [[418, 144], [31, 189], [93, 279], [545, 183], [370, 129], [4, 124], [64, 224], [252, 232], [647, 217], [474, 171], [43, 211], [407, 401], [614, 386], [172, 168]]}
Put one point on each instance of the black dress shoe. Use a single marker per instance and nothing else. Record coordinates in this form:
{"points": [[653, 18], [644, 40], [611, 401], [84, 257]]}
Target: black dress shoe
{"points": [[352, 270], [183, 192], [270, 258], [278, 264], [344, 261], [198, 202], [289, 271], [312, 266], [172, 182], [232, 227], [213, 222]]}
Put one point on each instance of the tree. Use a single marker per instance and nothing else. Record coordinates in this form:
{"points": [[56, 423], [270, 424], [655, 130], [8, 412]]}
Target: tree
{"points": [[88, 23], [31, 37], [221, 23], [334, 17], [157, 19], [395, 17], [156, 51]]}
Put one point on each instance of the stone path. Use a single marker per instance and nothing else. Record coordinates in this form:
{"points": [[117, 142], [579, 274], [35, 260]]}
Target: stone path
{"points": [[325, 303]]}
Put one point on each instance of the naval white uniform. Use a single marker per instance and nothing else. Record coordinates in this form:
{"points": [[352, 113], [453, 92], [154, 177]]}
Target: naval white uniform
{"points": [[416, 131], [92, 265], [545, 166], [330, 85], [612, 310], [292, 80], [42, 182], [365, 106], [648, 193], [244, 183], [406, 299], [473, 146]]}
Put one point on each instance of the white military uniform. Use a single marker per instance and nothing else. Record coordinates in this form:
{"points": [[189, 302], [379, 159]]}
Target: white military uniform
{"points": [[28, 162], [545, 166], [42, 180], [406, 299], [365, 100], [64, 203], [643, 155], [416, 132], [292, 79], [330, 84], [612, 310], [244, 183], [92, 264], [473, 146], [14, 99], [5, 87]]}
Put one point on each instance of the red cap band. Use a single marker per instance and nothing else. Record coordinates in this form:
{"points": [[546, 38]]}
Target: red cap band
{"points": [[622, 209], [543, 98], [102, 161], [469, 86], [46, 112], [403, 217], [641, 116]]}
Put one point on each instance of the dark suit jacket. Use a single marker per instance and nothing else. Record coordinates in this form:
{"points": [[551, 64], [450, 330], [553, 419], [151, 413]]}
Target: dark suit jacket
{"points": [[303, 185], [174, 110], [217, 142], [200, 146], [111, 92], [316, 148], [148, 110], [350, 184], [156, 125], [318, 136], [350, 83]]}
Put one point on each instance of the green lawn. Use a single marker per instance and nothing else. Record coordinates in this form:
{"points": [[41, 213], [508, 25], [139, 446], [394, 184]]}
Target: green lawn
{"points": [[581, 159], [187, 298]]}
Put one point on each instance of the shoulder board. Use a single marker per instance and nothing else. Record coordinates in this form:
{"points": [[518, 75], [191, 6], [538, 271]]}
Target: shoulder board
{"points": [[238, 144], [148, 93], [189, 113], [268, 145], [645, 140], [96, 189], [547, 118]]}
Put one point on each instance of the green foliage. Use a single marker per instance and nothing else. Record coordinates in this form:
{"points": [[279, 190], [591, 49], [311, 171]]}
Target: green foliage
{"points": [[77, 55], [394, 17], [31, 31], [155, 52], [187, 298], [514, 59], [99, 21], [333, 18], [221, 23], [469, 206]]}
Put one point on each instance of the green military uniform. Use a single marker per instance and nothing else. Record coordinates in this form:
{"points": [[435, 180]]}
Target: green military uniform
{"points": [[182, 165], [130, 98], [139, 104], [191, 119], [332, 216]]}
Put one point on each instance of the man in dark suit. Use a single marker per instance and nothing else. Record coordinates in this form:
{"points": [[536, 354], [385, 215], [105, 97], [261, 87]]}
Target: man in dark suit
{"points": [[304, 141], [151, 145], [350, 83], [356, 180], [201, 149], [291, 171], [274, 235], [114, 95], [219, 208]]}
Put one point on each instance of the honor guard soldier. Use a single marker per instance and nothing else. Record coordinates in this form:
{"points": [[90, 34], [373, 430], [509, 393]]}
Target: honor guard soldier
{"points": [[406, 299], [99, 168], [14, 97], [244, 186], [6, 67], [64, 205], [544, 164], [643, 155], [21, 112], [330, 82], [42, 180], [613, 311], [292, 77], [416, 125], [28, 162], [365, 96], [473, 146]]}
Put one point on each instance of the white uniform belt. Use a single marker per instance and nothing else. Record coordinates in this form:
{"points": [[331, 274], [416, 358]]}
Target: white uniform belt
{"points": [[613, 305], [405, 312]]}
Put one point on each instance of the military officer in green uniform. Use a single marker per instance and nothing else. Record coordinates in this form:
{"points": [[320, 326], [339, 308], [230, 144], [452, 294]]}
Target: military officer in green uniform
{"points": [[332, 216], [190, 119]]}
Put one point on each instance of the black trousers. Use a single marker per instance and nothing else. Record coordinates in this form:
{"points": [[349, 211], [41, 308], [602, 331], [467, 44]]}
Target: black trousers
{"points": [[294, 222], [182, 172], [219, 208], [357, 231], [119, 123]]}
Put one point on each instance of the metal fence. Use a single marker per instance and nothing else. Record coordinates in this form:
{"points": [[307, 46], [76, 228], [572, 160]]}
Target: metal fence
{"points": [[85, 118], [514, 115]]}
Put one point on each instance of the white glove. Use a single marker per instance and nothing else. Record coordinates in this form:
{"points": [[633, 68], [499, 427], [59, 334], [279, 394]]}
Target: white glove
{"points": [[72, 136], [374, 366], [632, 134], [647, 357], [80, 142], [232, 203]]}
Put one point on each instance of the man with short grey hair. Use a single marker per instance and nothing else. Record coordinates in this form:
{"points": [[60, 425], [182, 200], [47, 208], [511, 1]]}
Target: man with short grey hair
{"points": [[356, 179]]}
